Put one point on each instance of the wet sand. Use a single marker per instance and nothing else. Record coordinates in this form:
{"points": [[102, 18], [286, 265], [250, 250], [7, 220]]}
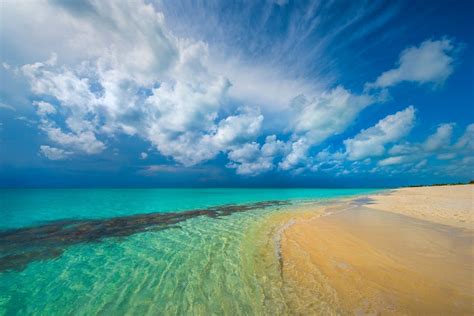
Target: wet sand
{"points": [[361, 260]]}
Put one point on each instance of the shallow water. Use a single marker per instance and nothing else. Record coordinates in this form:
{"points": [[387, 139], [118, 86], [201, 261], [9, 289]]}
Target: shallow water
{"points": [[26, 207], [203, 265]]}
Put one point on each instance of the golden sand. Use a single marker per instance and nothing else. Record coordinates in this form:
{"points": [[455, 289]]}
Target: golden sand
{"points": [[364, 261]]}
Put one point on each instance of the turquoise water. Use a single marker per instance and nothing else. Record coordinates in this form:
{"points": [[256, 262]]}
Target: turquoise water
{"points": [[19, 208], [201, 266]]}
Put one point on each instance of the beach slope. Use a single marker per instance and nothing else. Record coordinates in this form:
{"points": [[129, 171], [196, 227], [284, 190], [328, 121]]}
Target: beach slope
{"points": [[405, 251]]}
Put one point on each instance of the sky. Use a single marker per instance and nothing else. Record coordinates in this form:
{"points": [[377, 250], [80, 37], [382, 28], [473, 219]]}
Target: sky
{"points": [[134, 93]]}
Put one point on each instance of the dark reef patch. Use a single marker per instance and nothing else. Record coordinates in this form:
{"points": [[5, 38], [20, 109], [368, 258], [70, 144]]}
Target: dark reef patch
{"points": [[363, 201], [18, 247]]}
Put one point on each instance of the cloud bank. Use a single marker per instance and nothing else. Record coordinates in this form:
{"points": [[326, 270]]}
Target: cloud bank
{"points": [[115, 69]]}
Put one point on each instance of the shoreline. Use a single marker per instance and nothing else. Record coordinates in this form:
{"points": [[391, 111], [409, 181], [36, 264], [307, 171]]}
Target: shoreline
{"points": [[398, 251], [451, 205], [328, 256]]}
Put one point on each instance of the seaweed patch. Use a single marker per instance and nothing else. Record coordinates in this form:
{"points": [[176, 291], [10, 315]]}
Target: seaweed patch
{"points": [[18, 247]]}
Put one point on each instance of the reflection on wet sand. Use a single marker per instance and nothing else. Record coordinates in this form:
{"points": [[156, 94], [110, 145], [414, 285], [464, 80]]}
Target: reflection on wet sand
{"points": [[368, 262]]}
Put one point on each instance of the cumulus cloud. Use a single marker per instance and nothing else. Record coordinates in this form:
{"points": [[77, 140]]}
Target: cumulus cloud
{"points": [[195, 145], [401, 149], [436, 146], [119, 70], [181, 116], [54, 153], [371, 142], [44, 108], [240, 127], [315, 120], [83, 141], [421, 164], [395, 160], [63, 84], [430, 62], [81, 136], [466, 141], [298, 154], [160, 88], [328, 161], [440, 139], [247, 159], [327, 114], [253, 159]]}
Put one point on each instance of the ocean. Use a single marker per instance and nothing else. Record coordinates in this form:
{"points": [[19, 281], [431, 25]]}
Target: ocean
{"points": [[145, 251]]}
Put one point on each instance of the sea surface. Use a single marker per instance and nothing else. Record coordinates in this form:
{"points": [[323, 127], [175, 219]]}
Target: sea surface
{"points": [[144, 251]]}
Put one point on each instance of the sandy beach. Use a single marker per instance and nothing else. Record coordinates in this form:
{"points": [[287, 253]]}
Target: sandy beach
{"points": [[449, 205], [404, 251]]}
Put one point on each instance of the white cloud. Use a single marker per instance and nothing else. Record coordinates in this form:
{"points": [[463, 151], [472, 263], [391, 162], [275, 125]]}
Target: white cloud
{"points": [[401, 149], [371, 142], [327, 114], [437, 145], [118, 69], [207, 139], [154, 169], [396, 160], [238, 128], [82, 134], [143, 155], [251, 159], [127, 34], [466, 141], [325, 156], [297, 155], [264, 85], [440, 139], [63, 84], [54, 153], [101, 95], [44, 108], [85, 142], [328, 161], [111, 60], [273, 147], [179, 114], [421, 164], [247, 160], [431, 62], [315, 120]]}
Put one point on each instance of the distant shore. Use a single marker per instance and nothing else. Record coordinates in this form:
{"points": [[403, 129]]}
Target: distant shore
{"points": [[449, 205], [406, 251]]}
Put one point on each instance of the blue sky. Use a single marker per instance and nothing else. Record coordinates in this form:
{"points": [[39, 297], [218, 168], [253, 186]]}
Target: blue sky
{"points": [[269, 93]]}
